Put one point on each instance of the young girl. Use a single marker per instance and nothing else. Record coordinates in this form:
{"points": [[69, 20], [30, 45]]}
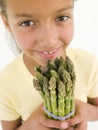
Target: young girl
{"points": [[43, 29]]}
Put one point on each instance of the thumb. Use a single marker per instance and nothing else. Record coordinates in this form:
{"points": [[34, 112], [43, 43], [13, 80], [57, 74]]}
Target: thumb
{"points": [[53, 123], [71, 121]]}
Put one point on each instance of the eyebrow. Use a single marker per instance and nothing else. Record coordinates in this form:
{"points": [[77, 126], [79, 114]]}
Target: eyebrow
{"points": [[65, 9], [28, 15]]}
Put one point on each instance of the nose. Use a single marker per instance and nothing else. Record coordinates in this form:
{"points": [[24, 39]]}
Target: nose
{"points": [[48, 36]]}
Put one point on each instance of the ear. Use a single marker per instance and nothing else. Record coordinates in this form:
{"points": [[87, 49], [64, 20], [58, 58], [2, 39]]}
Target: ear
{"points": [[5, 21]]}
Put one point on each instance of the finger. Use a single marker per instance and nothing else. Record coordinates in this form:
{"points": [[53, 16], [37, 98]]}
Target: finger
{"points": [[53, 123], [71, 128], [81, 126], [72, 121]]}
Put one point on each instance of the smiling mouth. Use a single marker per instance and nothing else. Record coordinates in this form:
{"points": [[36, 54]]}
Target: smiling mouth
{"points": [[49, 52]]}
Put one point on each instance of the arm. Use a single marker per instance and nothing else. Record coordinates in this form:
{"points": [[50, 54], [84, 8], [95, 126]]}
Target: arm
{"points": [[10, 125], [33, 123], [92, 109]]}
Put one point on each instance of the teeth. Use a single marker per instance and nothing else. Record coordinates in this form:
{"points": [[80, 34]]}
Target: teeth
{"points": [[49, 52], [52, 51], [45, 52]]}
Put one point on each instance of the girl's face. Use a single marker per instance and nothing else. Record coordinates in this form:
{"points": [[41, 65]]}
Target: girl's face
{"points": [[42, 28]]}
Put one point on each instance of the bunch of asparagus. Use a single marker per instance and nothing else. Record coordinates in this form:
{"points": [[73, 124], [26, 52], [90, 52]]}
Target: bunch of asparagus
{"points": [[56, 84]]}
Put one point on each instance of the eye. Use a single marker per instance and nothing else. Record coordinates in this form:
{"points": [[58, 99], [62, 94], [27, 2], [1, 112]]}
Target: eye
{"points": [[27, 23], [62, 18]]}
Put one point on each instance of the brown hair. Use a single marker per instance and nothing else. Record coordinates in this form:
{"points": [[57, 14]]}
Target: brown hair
{"points": [[3, 7]]}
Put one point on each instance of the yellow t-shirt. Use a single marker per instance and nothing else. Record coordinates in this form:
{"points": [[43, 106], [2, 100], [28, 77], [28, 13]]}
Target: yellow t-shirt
{"points": [[18, 97]]}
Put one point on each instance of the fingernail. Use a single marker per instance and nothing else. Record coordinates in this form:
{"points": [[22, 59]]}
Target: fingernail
{"points": [[64, 125], [71, 128]]}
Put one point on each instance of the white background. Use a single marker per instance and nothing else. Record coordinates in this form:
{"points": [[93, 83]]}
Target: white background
{"points": [[86, 31]]}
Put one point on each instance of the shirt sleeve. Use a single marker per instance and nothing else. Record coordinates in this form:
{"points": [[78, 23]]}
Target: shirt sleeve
{"points": [[7, 111]]}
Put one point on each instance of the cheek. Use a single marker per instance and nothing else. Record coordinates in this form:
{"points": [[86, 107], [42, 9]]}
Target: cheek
{"points": [[67, 34], [24, 40]]}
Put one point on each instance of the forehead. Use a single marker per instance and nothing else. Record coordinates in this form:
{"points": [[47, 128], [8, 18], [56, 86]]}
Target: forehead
{"points": [[36, 6]]}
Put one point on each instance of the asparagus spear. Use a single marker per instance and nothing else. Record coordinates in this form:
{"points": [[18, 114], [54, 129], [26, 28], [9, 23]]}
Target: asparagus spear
{"points": [[52, 88], [68, 83], [61, 99], [39, 88], [47, 94], [42, 86], [71, 70], [40, 78]]}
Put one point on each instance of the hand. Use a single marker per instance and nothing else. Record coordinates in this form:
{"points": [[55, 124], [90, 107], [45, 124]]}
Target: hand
{"points": [[81, 116], [79, 122], [36, 118]]}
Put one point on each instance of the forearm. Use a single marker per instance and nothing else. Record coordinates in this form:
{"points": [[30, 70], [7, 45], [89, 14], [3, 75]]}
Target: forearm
{"points": [[33, 122], [16, 125], [27, 125], [92, 112]]}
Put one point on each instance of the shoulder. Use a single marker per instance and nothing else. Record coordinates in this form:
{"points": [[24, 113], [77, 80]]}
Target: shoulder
{"points": [[84, 61], [80, 55], [11, 72]]}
